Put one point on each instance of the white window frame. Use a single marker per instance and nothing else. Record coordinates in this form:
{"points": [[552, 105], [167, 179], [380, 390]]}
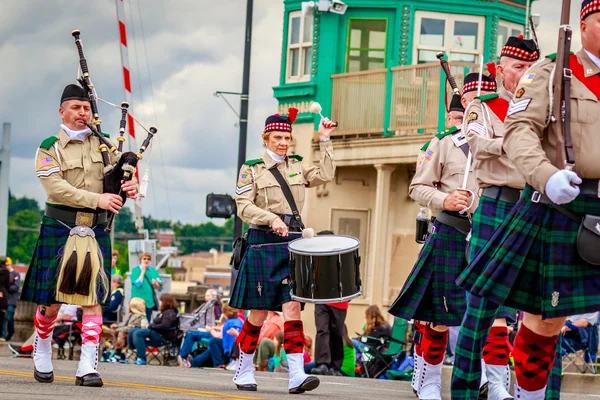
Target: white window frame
{"points": [[303, 76], [448, 33], [509, 26]]}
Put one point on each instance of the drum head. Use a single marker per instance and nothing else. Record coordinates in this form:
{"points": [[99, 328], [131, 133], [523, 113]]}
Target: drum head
{"points": [[324, 245]]}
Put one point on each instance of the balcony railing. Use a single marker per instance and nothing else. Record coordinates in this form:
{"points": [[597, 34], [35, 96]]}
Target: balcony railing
{"points": [[410, 94]]}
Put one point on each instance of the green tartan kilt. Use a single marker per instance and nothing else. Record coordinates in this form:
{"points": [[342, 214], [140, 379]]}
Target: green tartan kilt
{"points": [[531, 262], [39, 286], [430, 293], [264, 268], [485, 221]]}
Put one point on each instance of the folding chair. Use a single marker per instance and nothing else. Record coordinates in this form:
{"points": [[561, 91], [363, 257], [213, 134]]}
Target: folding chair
{"points": [[71, 337], [580, 349], [384, 351]]}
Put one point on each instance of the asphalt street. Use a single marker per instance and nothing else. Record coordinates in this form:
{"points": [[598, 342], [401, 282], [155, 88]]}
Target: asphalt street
{"points": [[157, 382]]}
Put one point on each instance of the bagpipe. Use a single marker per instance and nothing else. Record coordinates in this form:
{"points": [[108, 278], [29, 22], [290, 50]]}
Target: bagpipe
{"points": [[127, 162], [81, 276]]}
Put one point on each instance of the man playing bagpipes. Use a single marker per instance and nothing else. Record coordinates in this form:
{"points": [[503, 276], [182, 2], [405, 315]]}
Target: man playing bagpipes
{"points": [[483, 336], [72, 259], [544, 257]]}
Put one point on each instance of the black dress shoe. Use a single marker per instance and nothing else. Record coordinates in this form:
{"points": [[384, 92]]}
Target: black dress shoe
{"points": [[322, 369], [91, 380], [43, 377], [249, 387], [310, 383], [483, 392]]}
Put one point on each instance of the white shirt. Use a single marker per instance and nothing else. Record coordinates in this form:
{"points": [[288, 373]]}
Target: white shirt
{"points": [[277, 158], [592, 57], [76, 135]]}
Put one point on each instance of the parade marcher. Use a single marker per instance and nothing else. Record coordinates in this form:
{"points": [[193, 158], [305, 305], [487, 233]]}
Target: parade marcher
{"points": [[430, 295], [534, 262], [71, 261], [262, 282], [483, 336]]}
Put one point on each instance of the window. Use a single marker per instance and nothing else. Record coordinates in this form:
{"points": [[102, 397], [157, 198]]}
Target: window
{"points": [[300, 36], [366, 47], [505, 30], [459, 36]]}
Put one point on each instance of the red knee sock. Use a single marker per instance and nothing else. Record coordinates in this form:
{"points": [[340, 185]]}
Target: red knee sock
{"points": [[91, 329], [293, 337], [534, 357], [44, 324], [248, 337], [419, 328], [497, 347], [434, 344]]}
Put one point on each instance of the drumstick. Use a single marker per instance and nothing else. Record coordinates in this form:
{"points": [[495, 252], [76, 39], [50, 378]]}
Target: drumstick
{"points": [[308, 233], [316, 108]]}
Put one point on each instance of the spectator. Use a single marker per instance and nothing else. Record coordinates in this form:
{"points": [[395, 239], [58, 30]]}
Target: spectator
{"points": [[4, 284], [144, 280], [136, 319], [162, 329], [220, 343], [376, 326], [266, 344], [110, 313], [279, 361], [113, 263], [308, 345], [13, 296], [570, 330], [349, 363]]}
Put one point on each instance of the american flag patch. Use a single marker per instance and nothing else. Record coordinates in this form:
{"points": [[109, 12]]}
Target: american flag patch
{"points": [[46, 161], [429, 154], [527, 79]]}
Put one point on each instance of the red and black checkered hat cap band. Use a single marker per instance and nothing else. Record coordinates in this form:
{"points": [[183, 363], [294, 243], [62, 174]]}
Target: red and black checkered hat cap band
{"points": [[590, 8], [519, 54], [278, 126], [485, 85]]}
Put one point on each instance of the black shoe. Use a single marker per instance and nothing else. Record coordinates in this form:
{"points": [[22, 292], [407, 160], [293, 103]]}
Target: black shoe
{"points": [[483, 392], [310, 383], [334, 372], [43, 377], [18, 352], [250, 387], [322, 369], [91, 380]]}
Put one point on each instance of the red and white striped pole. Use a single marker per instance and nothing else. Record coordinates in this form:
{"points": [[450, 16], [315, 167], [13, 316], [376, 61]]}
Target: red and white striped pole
{"points": [[125, 65]]}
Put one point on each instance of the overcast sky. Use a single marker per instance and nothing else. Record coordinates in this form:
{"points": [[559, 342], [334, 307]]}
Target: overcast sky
{"points": [[192, 49]]}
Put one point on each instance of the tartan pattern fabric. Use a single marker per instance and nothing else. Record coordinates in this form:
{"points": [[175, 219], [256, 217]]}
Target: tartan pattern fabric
{"points": [[248, 337], [534, 358], [497, 347], [433, 345], [518, 53], [531, 262], [589, 7], [430, 293], [466, 373], [293, 337], [40, 283], [264, 268], [91, 329], [43, 324], [554, 382], [487, 218]]}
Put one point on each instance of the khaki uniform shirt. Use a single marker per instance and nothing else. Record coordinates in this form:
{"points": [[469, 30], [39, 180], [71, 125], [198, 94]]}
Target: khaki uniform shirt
{"points": [[530, 142], [485, 133], [441, 172], [71, 171], [259, 196]]}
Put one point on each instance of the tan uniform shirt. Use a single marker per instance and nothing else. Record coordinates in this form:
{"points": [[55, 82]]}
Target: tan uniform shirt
{"points": [[259, 196], [71, 172], [530, 142], [485, 133], [441, 172]]}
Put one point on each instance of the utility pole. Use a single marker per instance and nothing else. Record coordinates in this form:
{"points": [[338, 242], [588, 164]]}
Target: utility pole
{"points": [[4, 172], [238, 224]]}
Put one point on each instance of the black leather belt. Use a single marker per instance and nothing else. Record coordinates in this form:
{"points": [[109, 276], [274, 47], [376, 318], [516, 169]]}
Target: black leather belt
{"points": [[588, 186], [76, 216], [289, 220], [503, 193], [455, 220]]}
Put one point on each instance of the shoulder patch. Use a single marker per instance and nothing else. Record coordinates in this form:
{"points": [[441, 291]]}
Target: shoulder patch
{"points": [[254, 162], [297, 157], [425, 146], [48, 142], [486, 97], [105, 134], [445, 133]]}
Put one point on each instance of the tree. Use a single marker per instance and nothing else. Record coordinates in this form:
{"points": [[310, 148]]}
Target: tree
{"points": [[22, 235]]}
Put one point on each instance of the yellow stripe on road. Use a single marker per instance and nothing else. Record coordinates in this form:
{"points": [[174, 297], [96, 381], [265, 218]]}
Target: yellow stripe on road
{"points": [[155, 388]]}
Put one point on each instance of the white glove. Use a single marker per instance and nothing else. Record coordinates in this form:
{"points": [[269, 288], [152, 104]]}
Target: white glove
{"points": [[560, 188]]}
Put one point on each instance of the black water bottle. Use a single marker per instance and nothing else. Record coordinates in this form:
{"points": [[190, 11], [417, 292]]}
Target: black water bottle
{"points": [[422, 226]]}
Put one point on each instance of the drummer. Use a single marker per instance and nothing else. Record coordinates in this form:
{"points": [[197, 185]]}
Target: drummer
{"points": [[262, 284]]}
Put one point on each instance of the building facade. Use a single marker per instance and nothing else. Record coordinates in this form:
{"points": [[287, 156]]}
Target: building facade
{"points": [[373, 69]]}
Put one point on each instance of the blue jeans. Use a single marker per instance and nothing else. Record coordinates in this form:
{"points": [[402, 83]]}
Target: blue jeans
{"points": [[212, 357], [190, 339], [8, 330], [149, 312], [137, 340]]}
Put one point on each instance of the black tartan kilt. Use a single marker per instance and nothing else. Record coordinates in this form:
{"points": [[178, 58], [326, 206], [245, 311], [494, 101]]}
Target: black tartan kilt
{"points": [[265, 266]]}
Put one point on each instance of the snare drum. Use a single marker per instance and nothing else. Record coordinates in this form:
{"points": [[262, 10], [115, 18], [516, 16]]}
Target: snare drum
{"points": [[325, 269]]}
